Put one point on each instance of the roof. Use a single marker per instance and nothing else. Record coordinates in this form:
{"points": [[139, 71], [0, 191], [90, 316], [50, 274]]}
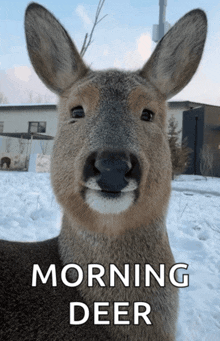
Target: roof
{"points": [[28, 136], [184, 105], [46, 106]]}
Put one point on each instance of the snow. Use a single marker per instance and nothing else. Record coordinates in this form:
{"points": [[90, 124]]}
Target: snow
{"points": [[39, 163], [43, 163], [193, 224], [29, 212]]}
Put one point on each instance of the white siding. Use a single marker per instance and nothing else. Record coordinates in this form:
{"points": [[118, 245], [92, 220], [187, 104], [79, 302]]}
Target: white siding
{"points": [[17, 120]]}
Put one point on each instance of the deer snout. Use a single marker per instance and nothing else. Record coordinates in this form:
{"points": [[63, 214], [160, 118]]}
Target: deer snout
{"points": [[112, 168], [112, 171], [111, 181]]}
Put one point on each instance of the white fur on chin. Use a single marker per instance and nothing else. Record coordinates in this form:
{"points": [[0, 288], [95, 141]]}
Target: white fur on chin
{"points": [[103, 205]]}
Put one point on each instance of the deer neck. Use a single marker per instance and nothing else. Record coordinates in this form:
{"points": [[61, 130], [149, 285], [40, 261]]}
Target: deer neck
{"points": [[144, 245], [138, 245]]}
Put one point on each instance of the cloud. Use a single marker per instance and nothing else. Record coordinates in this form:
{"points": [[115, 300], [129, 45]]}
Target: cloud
{"points": [[144, 46], [201, 89], [20, 84], [105, 52], [136, 58], [22, 72], [81, 12]]}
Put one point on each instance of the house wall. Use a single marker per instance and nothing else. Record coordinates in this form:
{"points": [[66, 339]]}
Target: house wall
{"points": [[17, 118], [212, 135]]}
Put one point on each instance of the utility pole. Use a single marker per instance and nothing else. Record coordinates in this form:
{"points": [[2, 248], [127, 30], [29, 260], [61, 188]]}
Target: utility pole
{"points": [[160, 30]]}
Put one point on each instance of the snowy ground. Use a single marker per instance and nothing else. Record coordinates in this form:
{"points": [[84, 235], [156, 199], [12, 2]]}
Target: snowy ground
{"points": [[29, 212]]}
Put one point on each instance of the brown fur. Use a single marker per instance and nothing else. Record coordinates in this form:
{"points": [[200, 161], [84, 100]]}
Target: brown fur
{"points": [[113, 102], [6, 160]]}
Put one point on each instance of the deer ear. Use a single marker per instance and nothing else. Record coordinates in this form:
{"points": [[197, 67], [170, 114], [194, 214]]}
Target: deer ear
{"points": [[52, 52], [177, 55]]}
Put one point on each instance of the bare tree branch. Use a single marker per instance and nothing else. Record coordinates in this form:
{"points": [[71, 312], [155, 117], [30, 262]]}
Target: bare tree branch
{"points": [[179, 151], [101, 18], [206, 160], [84, 45], [3, 98], [88, 37]]}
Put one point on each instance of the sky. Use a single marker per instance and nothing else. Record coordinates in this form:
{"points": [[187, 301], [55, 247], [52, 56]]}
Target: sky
{"points": [[122, 39]]}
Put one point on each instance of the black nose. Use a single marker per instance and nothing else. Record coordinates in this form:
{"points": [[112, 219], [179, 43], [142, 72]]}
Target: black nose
{"points": [[112, 169]]}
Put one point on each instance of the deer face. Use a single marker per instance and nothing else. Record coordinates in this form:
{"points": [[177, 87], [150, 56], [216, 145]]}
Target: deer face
{"points": [[111, 158], [111, 167]]}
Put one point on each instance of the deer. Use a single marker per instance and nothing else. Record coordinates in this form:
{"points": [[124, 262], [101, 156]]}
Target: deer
{"points": [[111, 174]]}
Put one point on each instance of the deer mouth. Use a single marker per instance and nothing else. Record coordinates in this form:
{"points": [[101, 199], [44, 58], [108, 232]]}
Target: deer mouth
{"points": [[92, 184], [110, 195], [110, 202], [111, 180]]}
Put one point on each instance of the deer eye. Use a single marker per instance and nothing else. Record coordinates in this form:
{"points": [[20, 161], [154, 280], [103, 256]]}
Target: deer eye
{"points": [[147, 115], [77, 112]]}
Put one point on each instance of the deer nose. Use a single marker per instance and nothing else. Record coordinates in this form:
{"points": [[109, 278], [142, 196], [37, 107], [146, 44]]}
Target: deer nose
{"points": [[112, 168], [112, 171]]}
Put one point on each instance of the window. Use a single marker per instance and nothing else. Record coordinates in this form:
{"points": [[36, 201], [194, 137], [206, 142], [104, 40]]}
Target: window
{"points": [[37, 127], [1, 127]]}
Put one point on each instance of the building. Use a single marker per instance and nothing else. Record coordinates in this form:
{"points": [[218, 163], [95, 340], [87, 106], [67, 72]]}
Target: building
{"points": [[26, 129], [30, 128], [176, 109], [201, 126]]}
